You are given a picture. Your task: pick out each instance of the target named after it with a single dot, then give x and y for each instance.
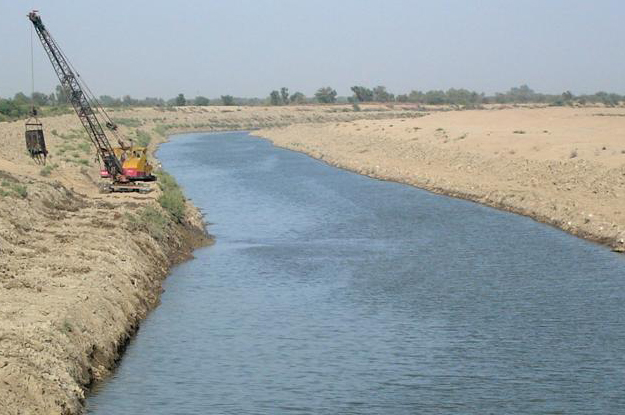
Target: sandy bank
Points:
(78, 270)
(561, 166)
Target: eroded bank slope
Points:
(77, 275)
(561, 166)
(79, 270)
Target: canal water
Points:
(332, 293)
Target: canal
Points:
(327, 292)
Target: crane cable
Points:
(89, 95)
(32, 73)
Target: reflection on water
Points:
(328, 292)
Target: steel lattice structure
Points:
(78, 99)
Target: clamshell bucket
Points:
(35, 141)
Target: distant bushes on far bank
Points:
(459, 97)
(56, 103)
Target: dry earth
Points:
(561, 166)
(79, 270)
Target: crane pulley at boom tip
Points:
(123, 164)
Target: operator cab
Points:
(135, 164)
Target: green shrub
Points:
(67, 327)
(161, 129)
(46, 171)
(84, 147)
(143, 138)
(11, 187)
(172, 199)
(149, 219)
(127, 122)
(20, 190)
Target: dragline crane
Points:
(84, 105)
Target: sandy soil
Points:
(78, 273)
(561, 166)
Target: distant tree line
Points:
(56, 102)
(460, 97)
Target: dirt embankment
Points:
(79, 270)
(561, 166)
(77, 275)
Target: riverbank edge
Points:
(116, 307)
(184, 238)
(486, 199)
(187, 235)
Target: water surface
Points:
(327, 292)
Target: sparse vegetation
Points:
(84, 147)
(172, 199)
(274, 98)
(281, 97)
(128, 122)
(149, 219)
(326, 95)
(56, 102)
(518, 132)
(298, 98)
(67, 327)
(227, 100)
(201, 101)
(46, 171)
(20, 190)
(10, 187)
(180, 100)
(143, 138)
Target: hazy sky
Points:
(249, 47)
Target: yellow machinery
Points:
(135, 164)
